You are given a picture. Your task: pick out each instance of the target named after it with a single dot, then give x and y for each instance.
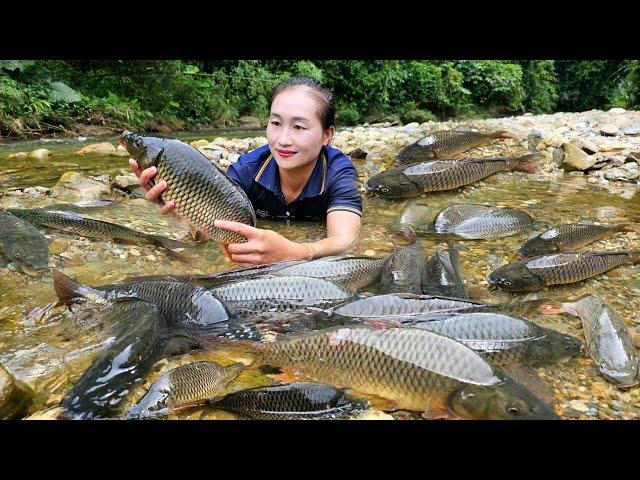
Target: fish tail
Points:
(525, 163)
(501, 134)
(635, 256)
(68, 290)
(623, 227)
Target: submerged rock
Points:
(40, 154)
(103, 148)
(74, 186)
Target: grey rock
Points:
(558, 156)
(609, 129)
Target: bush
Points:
(347, 115)
(493, 83)
(539, 80)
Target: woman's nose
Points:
(284, 138)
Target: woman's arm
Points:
(267, 246)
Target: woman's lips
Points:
(286, 153)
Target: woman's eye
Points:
(273, 122)
(299, 127)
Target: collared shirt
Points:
(332, 186)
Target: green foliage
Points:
(347, 115)
(584, 85)
(539, 81)
(50, 95)
(493, 83)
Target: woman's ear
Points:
(328, 135)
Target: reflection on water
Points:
(51, 353)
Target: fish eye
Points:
(384, 189)
(17, 254)
(137, 142)
(513, 411)
(507, 283)
(603, 365)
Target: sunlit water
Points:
(51, 354)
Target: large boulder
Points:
(629, 171)
(103, 148)
(609, 129)
(40, 154)
(576, 159)
(74, 186)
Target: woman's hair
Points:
(325, 99)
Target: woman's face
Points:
(294, 133)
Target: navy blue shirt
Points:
(333, 186)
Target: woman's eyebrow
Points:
(295, 119)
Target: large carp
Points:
(202, 192)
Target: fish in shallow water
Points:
(402, 272)
(201, 191)
(607, 339)
(567, 237)
(403, 305)
(186, 306)
(479, 222)
(349, 271)
(189, 383)
(414, 369)
(23, 243)
(15, 396)
(139, 333)
(438, 175)
(442, 275)
(294, 401)
(281, 294)
(504, 339)
(88, 227)
(538, 272)
(445, 145)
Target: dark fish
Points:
(441, 275)
(349, 271)
(15, 396)
(295, 401)
(201, 191)
(236, 274)
(185, 305)
(23, 243)
(183, 385)
(88, 227)
(438, 175)
(138, 344)
(413, 368)
(503, 339)
(403, 305)
(280, 294)
(472, 222)
(567, 237)
(445, 145)
(402, 271)
(538, 272)
(608, 341)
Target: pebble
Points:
(579, 406)
(135, 252)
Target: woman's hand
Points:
(262, 246)
(152, 192)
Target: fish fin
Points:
(551, 308)
(528, 377)
(285, 377)
(501, 134)
(623, 227)
(42, 313)
(434, 413)
(382, 324)
(525, 163)
(68, 290)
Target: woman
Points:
(296, 176)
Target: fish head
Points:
(392, 183)
(515, 277)
(552, 348)
(503, 401)
(27, 256)
(537, 246)
(145, 150)
(625, 375)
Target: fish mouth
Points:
(123, 137)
